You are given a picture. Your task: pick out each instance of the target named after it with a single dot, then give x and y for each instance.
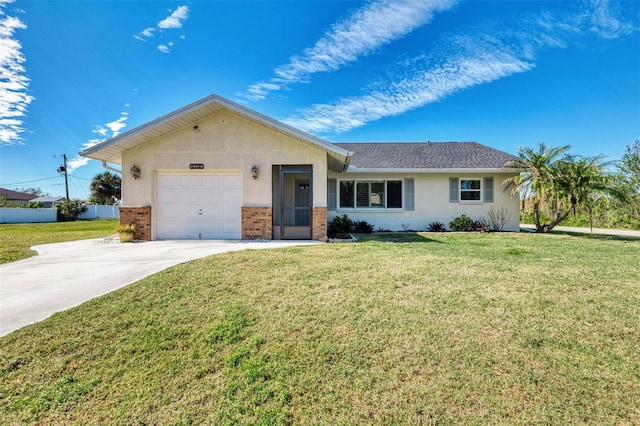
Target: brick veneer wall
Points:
(256, 223)
(141, 218)
(319, 225)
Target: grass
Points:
(411, 329)
(16, 239)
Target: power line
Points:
(79, 177)
(28, 181)
(29, 156)
(78, 189)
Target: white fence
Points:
(20, 215)
(17, 215)
(101, 212)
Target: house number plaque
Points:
(196, 166)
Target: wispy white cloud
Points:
(367, 29)
(172, 22)
(175, 19)
(461, 61)
(14, 83)
(605, 20)
(166, 48)
(103, 131)
(145, 34)
(424, 87)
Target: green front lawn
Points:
(16, 239)
(445, 329)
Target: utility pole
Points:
(62, 169)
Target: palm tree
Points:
(105, 188)
(540, 179)
(589, 182)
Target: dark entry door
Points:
(296, 202)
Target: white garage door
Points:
(199, 206)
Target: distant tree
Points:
(588, 182)
(628, 181)
(34, 191)
(630, 163)
(106, 188)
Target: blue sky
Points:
(503, 73)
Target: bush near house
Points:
(462, 223)
(480, 225)
(362, 227)
(342, 226)
(339, 226)
(436, 226)
(70, 210)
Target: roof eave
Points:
(429, 170)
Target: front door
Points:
(296, 201)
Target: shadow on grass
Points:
(396, 237)
(602, 237)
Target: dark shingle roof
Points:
(426, 155)
(16, 196)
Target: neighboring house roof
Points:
(111, 150)
(48, 199)
(425, 156)
(10, 195)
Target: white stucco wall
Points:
(223, 142)
(432, 202)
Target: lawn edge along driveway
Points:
(64, 275)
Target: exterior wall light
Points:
(254, 171)
(135, 172)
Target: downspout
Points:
(106, 166)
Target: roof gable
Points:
(111, 149)
(425, 155)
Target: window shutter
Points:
(332, 194)
(488, 190)
(453, 190)
(409, 194)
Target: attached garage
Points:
(199, 205)
(218, 170)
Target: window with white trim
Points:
(370, 194)
(470, 190)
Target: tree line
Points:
(554, 185)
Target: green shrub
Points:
(70, 210)
(362, 227)
(461, 223)
(340, 225)
(436, 226)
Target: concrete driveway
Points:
(64, 275)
